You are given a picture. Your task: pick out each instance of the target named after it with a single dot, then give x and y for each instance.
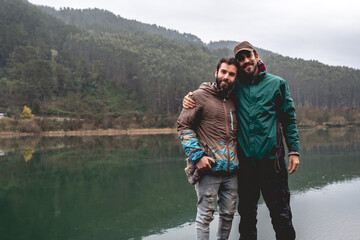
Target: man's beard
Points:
(249, 74)
(223, 84)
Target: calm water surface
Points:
(126, 187)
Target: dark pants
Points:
(264, 176)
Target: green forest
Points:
(112, 72)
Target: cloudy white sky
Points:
(323, 30)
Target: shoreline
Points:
(130, 131)
(100, 132)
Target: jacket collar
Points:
(220, 92)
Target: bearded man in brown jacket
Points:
(208, 133)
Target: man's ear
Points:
(216, 72)
(257, 58)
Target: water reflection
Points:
(328, 155)
(127, 187)
(93, 188)
(331, 214)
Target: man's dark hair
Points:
(228, 61)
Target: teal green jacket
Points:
(263, 105)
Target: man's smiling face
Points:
(248, 62)
(225, 76)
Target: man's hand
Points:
(188, 102)
(293, 163)
(204, 163)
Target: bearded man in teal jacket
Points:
(265, 113)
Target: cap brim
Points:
(244, 49)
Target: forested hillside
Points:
(91, 74)
(102, 21)
(93, 63)
(37, 70)
(297, 72)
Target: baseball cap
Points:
(243, 46)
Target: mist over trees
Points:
(91, 62)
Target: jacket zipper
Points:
(227, 135)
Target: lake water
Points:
(134, 187)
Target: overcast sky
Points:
(323, 30)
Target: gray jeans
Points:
(208, 189)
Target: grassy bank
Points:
(39, 125)
(53, 126)
(99, 132)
